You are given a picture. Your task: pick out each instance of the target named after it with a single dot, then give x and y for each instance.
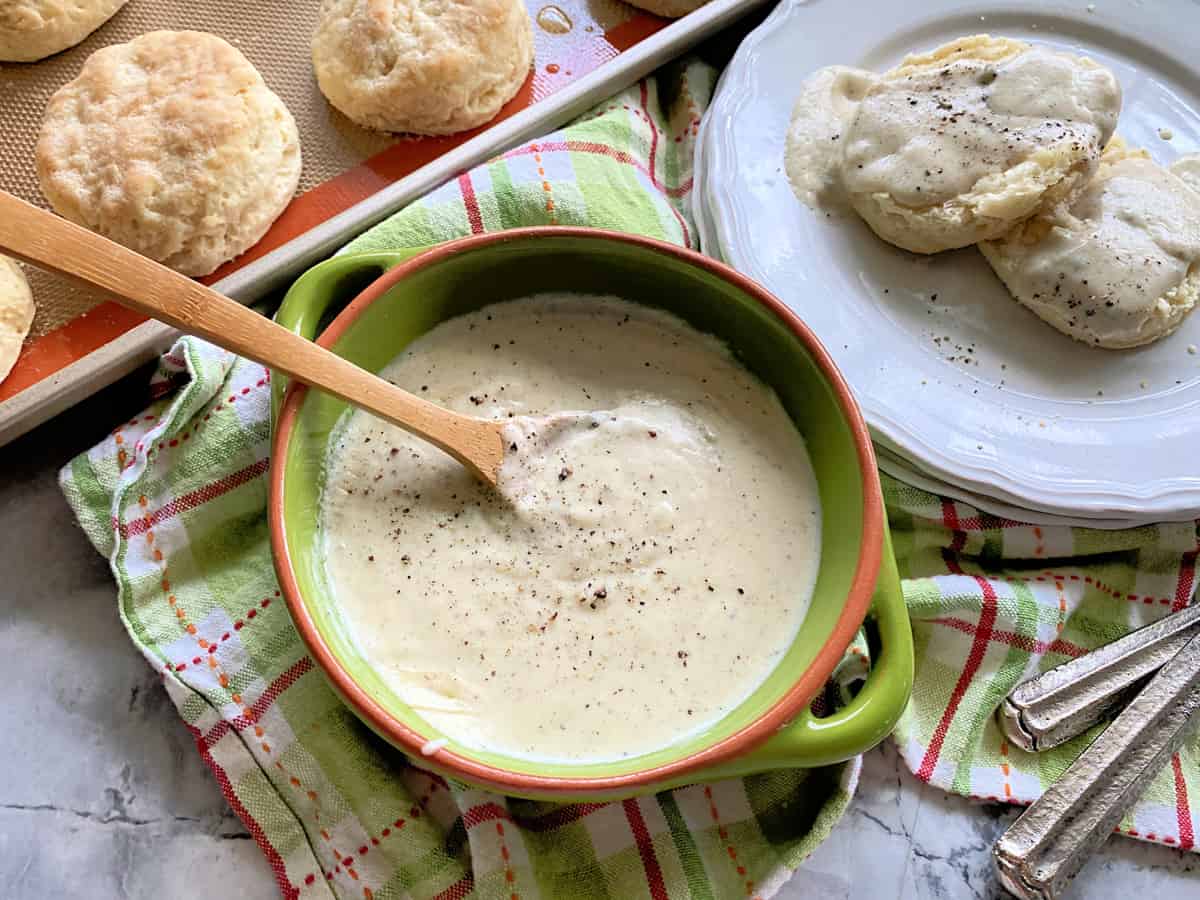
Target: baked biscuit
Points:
(16, 313)
(172, 145)
(407, 66)
(34, 29)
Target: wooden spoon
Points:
(52, 243)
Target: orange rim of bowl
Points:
(792, 704)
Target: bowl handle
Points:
(866, 720)
(329, 286)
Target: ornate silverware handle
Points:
(1065, 701)
(1044, 849)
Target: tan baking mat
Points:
(274, 35)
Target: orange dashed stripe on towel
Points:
(537, 158)
(1005, 770)
(723, 834)
(181, 616)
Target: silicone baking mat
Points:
(343, 163)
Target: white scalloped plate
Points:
(903, 470)
(1023, 420)
(889, 462)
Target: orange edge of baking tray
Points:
(43, 357)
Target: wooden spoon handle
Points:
(50, 242)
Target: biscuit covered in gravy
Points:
(827, 104)
(958, 145)
(1119, 266)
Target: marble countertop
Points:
(103, 795)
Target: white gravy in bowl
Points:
(645, 564)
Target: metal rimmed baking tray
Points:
(585, 50)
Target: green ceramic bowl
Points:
(400, 296)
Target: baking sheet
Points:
(584, 51)
(331, 145)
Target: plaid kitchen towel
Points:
(175, 499)
(994, 602)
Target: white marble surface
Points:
(103, 795)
